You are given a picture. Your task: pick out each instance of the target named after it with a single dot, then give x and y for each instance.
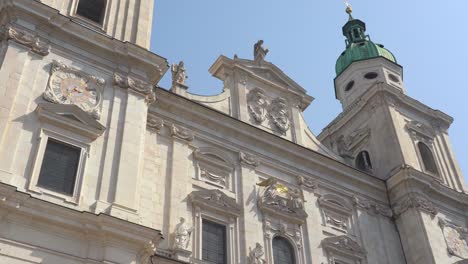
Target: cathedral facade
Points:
(98, 164)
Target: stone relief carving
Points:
(456, 238)
(212, 177)
(182, 133)
(213, 166)
(344, 244)
(371, 207)
(277, 198)
(256, 255)
(257, 105)
(182, 235)
(273, 226)
(68, 85)
(248, 159)
(336, 212)
(421, 132)
(135, 85)
(259, 51)
(279, 114)
(415, 201)
(311, 184)
(154, 122)
(31, 40)
(215, 199)
(179, 74)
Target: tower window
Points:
(283, 252)
(427, 159)
(393, 78)
(349, 86)
(371, 75)
(92, 9)
(214, 242)
(363, 161)
(59, 167)
(356, 33)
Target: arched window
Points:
(92, 9)
(283, 252)
(363, 161)
(427, 159)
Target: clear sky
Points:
(429, 39)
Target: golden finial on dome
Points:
(349, 9)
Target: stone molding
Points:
(336, 212)
(421, 132)
(215, 199)
(279, 115)
(372, 208)
(416, 201)
(57, 70)
(214, 167)
(135, 85)
(181, 133)
(26, 38)
(257, 105)
(310, 184)
(248, 159)
(154, 123)
(456, 238)
(273, 226)
(344, 245)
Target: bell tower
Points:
(125, 20)
(381, 129)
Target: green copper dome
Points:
(359, 46)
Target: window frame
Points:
(292, 247)
(434, 159)
(60, 136)
(100, 26)
(205, 219)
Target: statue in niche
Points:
(179, 75)
(256, 255)
(259, 51)
(297, 202)
(182, 235)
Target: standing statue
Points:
(182, 235)
(179, 75)
(255, 255)
(296, 199)
(259, 51)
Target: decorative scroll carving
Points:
(182, 235)
(273, 226)
(135, 85)
(336, 212)
(248, 159)
(415, 201)
(259, 51)
(279, 114)
(257, 105)
(181, 132)
(215, 199)
(155, 123)
(68, 85)
(344, 245)
(212, 177)
(456, 238)
(179, 75)
(214, 166)
(371, 207)
(278, 199)
(420, 131)
(311, 184)
(31, 40)
(256, 255)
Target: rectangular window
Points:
(59, 167)
(214, 242)
(92, 9)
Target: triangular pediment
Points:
(70, 117)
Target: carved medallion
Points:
(257, 105)
(71, 86)
(279, 114)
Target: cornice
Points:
(16, 202)
(51, 25)
(392, 98)
(25, 37)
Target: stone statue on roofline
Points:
(179, 75)
(259, 51)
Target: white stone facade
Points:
(150, 157)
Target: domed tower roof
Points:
(358, 45)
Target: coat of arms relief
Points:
(260, 107)
(456, 238)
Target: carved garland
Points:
(135, 85)
(181, 133)
(371, 207)
(31, 40)
(415, 201)
(248, 159)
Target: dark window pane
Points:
(92, 9)
(59, 166)
(363, 161)
(428, 158)
(214, 243)
(283, 252)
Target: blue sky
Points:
(304, 37)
